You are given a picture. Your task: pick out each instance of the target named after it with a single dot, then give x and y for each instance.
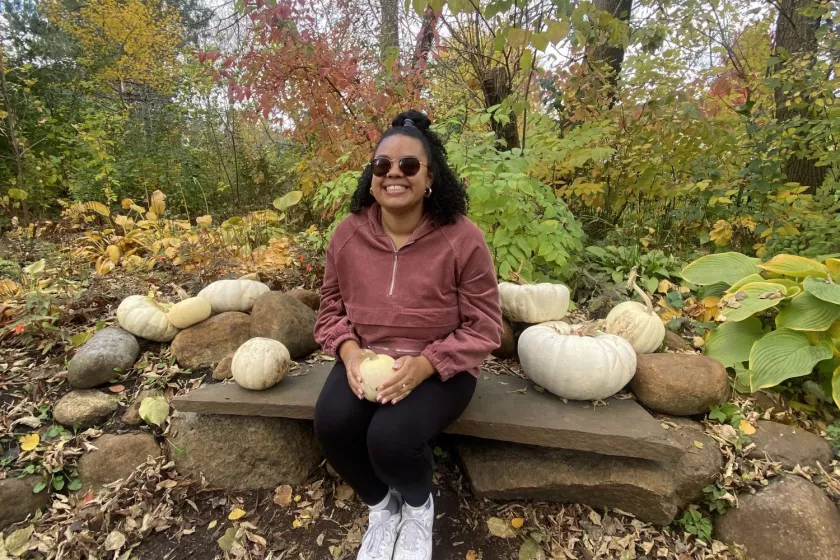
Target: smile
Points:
(396, 188)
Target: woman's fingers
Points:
(398, 384)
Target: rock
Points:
(131, 416)
(84, 408)
(243, 452)
(308, 297)
(651, 490)
(282, 317)
(790, 518)
(680, 384)
(108, 353)
(676, 342)
(18, 500)
(766, 400)
(207, 343)
(222, 370)
(790, 445)
(116, 457)
(507, 349)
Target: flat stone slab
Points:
(504, 408)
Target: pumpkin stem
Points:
(518, 279)
(631, 283)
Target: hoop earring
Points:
(371, 191)
(428, 192)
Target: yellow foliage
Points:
(721, 233)
(124, 41)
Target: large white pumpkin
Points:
(570, 363)
(534, 303)
(189, 312)
(143, 317)
(260, 363)
(233, 295)
(637, 323)
(375, 370)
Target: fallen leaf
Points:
(517, 522)
(344, 492)
(116, 388)
(296, 523)
(283, 495)
(18, 542)
(698, 444)
(530, 550)
(29, 441)
(746, 427)
(154, 410)
(498, 528)
(698, 341)
(237, 513)
(471, 555)
(227, 540)
(320, 540)
(114, 541)
(212, 524)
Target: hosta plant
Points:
(777, 319)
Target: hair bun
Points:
(420, 120)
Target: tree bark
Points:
(612, 55)
(17, 150)
(496, 86)
(424, 38)
(389, 30)
(796, 38)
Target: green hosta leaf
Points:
(808, 313)
(18, 194)
(835, 386)
(795, 266)
(730, 343)
(751, 299)
(744, 281)
(823, 290)
(783, 354)
(154, 410)
(720, 267)
(288, 200)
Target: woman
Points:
(408, 275)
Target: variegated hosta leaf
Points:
(783, 354)
(730, 343)
(751, 299)
(720, 267)
(807, 313)
(835, 386)
(833, 267)
(823, 289)
(795, 266)
(743, 281)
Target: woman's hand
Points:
(353, 356)
(409, 372)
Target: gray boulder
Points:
(116, 457)
(108, 353)
(789, 445)
(18, 499)
(85, 408)
(208, 342)
(284, 318)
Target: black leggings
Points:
(376, 447)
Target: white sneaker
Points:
(415, 533)
(381, 534)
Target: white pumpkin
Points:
(188, 312)
(375, 370)
(143, 317)
(637, 323)
(233, 295)
(574, 362)
(260, 363)
(534, 303)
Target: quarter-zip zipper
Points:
(393, 269)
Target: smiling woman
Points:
(410, 277)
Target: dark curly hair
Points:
(449, 197)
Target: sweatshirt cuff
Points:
(440, 362)
(338, 341)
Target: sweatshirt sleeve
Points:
(332, 326)
(480, 331)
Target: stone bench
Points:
(514, 441)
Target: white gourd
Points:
(187, 313)
(143, 317)
(637, 323)
(260, 363)
(233, 295)
(375, 370)
(534, 303)
(573, 363)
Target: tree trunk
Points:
(424, 38)
(389, 31)
(496, 86)
(17, 150)
(612, 55)
(796, 39)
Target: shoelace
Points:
(375, 536)
(411, 532)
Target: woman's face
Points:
(395, 191)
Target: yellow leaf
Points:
(151, 216)
(517, 522)
(113, 253)
(204, 221)
(698, 341)
(212, 524)
(237, 513)
(746, 427)
(29, 442)
(296, 523)
(698, 444)
(721, 233)
(8, 288)
(664, 287)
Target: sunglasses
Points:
(409, 165)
